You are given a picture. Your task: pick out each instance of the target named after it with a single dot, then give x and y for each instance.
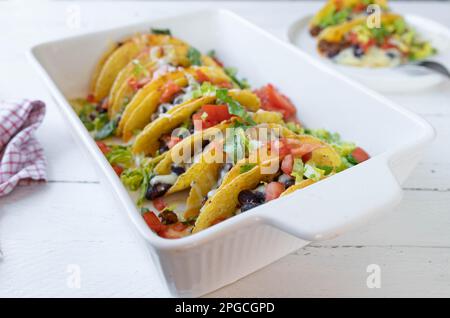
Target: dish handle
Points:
(330, 207)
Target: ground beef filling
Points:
(332, 49)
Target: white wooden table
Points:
(49, 232)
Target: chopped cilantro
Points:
(246, 167)
(194, 56)
(107, 130)
(161, 31)
(232, 72)
(234, 107)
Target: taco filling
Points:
(392, 43)
(192, 143)
(336, 12)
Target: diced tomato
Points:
(280, 147)
(211, 115)
(360, 155)
(353, 38)
(274, 190)
(143, 81)
(159, 204)
(216, 113)
(224, 84)
(366, 46)
(105, 103)
(179, 227)
(307, 157)
(103, 147)
(118, 169)
(387, 45)
(90, 98)
(287, 164)
(273, 100)
(303, 149)
(202, 77)
(169, 91)
(132, 82)
(173, 141)
(198, 121)
(153, 222)
(359, 7)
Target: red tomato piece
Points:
(366, 46)
(173, 141)
(303, 149)
(202, 77)
(153, 222)
(169, 91)
(360, 155)
(103, 147)
(287, 164)
(90, 98)
(118, 169)
(159, 204)
(216, 113)
(359, 7)
(179, 227)
(133, 84)
(143, 81)
(272, 99)
(274, 190)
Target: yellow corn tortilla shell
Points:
(201, 169)
(141, 115)
(101, 62)
(330, 7)
(138, 112)
(176, 55)
(121, 56)
(147, 140)
(223, 204)
(113, 64)
(298, 186)
(164, 165)
(336, 33)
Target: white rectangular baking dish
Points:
(203, 262)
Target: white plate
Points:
(223, 253)
(388, 80)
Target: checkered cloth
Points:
(21, 156)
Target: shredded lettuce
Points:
(161, 31)
(298, 170)
(232, 73)
(120, 155)
(246, 167)
(313, 173)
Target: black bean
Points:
(248, 206)
(157, 190)
(357, 51)
(288, 183)
(178, 170)
(163, 149)
(314, 31)
(391, 55)
(247, 196)
(168, 217)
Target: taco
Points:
(164, 95)
(297, 159)
(354, 43)
(336, 12)
(156, 135)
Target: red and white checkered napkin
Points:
(22, 158)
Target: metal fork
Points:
(431, 65)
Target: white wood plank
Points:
(341, 272)
(45, 228)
